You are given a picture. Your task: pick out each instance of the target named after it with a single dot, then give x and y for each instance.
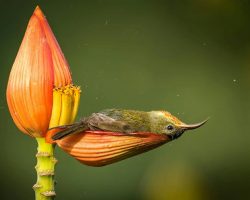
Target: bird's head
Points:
(164, 122)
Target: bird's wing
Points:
(99, 121)
(71, 129)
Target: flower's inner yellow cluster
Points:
(65, 105)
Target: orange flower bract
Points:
(39, 67)
(99, 148)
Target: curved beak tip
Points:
(194, 126)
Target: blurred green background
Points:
(189, 57)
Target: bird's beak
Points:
(192, 126)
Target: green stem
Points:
(44, 187)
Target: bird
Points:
(127, 122)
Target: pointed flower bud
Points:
(62, 74)
(99, 148)
(38, 68)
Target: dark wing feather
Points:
(70, 129)
(99, 121)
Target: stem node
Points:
(46, 173)
(49, 193)
(36, 186)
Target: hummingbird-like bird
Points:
(129, 121)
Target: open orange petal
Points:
(30, 85)
(99, 148)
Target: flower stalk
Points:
(45, 168)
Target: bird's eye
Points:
(170, 127)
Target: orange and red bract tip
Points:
(99, 148)
(38, 67)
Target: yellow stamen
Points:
(65, 105)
